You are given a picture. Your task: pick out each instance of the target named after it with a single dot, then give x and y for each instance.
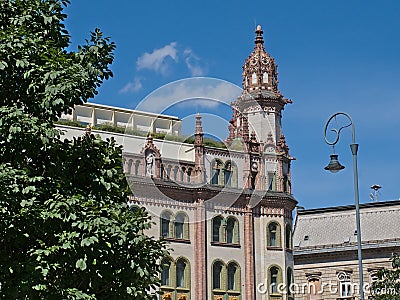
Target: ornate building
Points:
(227, 212)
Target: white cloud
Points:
(198, 91)
(156, 60)
(132, 86)
(192, 63)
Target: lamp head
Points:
(334, 165)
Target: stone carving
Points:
(167, 296)
(254, 167)
(150, 164)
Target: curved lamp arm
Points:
(337, 130)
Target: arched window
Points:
(289, 281)
(274, 235)
(217, 173)
(233, 277)
(218, 230)
(130, 162)
(183, 170)
(181, 273)
(137, 164)
(189, 173)
(226, 281)
(275, 278)
(253, 78)
(166, 272)
(265, 77)
(162, 171)
(166, 224)
(288, 237)
(181, 226)
(232, 230)
(176, 169)
(217, 271)
(228, 173)
(175, 278)
(271, 181)
(169, 172)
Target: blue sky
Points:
(331, 55)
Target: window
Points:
(271, 181)
(224, 174)
(166, 226)
(183, 170)
(265, 77)
(226, 282)
(166, 272)
(289, 281)
(253, 78)
(175, 278)
(273, 238)
(181, 226)
(233, 277)
(345, 286)
(176, 169)
(137, 164)
(288, 237)
(217, 275)
(228, 173)
(274, 279)
(217, 173)
(130, 162)
(225, 230)
(314, 288)
(180, 273)
(217, 229)
(285, 184)
(232, 230)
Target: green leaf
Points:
(81, 264)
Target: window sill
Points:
(176, 240)
(182, 290)
(274, 248)
(222, 244)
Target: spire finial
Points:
(199, 129)
(259, 37)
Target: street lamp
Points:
(334, 166)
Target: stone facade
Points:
(325, 248)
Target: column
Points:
(200, 252)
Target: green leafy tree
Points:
(387, 286)
(65, 229)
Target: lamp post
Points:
(334, 166)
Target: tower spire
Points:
(259, 40)
(199, 168)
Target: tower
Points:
(257, 120)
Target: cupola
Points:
(260, 70)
